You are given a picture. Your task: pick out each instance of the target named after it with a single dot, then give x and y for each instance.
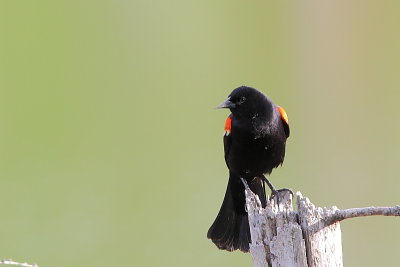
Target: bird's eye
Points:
(242, 99)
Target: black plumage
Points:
(254, 144)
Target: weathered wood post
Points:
(307, 237)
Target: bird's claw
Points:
(278, 192)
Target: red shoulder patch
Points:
(283, 115)
(228, 126)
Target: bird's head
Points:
(245, 101)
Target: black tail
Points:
(230, 230)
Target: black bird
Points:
(254, 143)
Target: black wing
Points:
(286, 128)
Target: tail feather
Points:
(230, 230)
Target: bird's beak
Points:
(226, 104)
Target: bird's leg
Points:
(264, 193)
(274, 192)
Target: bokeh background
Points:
(110, 147)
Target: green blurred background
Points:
(110, 147)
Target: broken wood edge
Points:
(323, 247)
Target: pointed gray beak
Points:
(226, 104)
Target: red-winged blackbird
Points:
(254, 144)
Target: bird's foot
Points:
(280, 194)
(280, 191)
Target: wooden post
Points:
(308, 237)
(323, 243)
